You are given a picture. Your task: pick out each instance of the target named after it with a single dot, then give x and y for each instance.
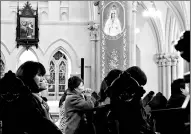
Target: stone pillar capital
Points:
(167, 57)
(163, 62)
(94, 31)
(159, 59)
(174, 58)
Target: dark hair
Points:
(63, 98)
(176, 85)
(183, 46)
(74, 82)
(159, 101)
(125, 86)
(111, 76)
(148, 98)
(14, 86)
(101, 93)
(138, 75)
(27, 71)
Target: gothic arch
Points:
(156, 32)
(69, 51)
(178, 15)
(64, 16)
(167, 27)
(13, 15)
(5, 55)
(68, 58)
(22, 51)
(6, 48)
(44, 15)
(171, 30)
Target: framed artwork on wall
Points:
(27, 28)
(27, 31)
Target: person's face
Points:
(43, 84)
(38, 79)
(186, 90)
(80, 88)
(187, 87)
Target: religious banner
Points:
(113, 36)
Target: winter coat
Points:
(75, 104)
(21, 112)
(176, 100)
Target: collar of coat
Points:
(74, 92)
(38, 97)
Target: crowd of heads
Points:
(120, 86)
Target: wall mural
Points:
(113, 36)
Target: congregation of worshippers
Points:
(120, 107)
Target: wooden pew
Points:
(172, 120)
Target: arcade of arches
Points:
(71, 30)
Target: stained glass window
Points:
(58, 76)
(51, 87)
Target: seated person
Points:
(177, 119)
(159, 101)
(178, 94)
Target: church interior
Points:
(76, 38)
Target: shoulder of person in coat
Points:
(77, 101)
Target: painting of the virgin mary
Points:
(113, 25)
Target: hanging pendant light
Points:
(152, 11)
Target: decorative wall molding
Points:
(6, 48)
(94, 31)
(47, 22)
(179, 16)
(166, 59)
(64, 12)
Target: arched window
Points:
(44, 16)
(58, 76)
(64, 16)
(27, 56)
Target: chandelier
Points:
(152, 11)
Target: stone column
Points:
(133, 34)
(129, 32)
(160, 76)
(168, 84)
(97, 9)
(159, 64)
(163, 76)
(94, 39)
(180, 67)
(174, 65)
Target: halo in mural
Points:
(113, 20)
